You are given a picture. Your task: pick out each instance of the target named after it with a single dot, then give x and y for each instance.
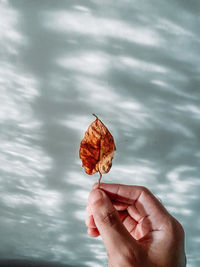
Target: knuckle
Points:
(175, 228)
(143, 188)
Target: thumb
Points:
(115, 236)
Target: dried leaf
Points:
(97, 149)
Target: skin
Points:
(136, 229)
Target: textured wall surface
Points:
(136, 65)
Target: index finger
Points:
(123, 193)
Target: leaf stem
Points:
(99, 180)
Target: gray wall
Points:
(136, 65)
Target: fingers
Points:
(119, 206)
(141, 202)
(90, 223)
(121, 193)
(108, 223)
(93, 232)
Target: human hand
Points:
(135, 227)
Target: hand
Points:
(135, 227)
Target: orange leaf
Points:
(97, 149)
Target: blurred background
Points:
(136, 65)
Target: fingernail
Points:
(96, 195)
